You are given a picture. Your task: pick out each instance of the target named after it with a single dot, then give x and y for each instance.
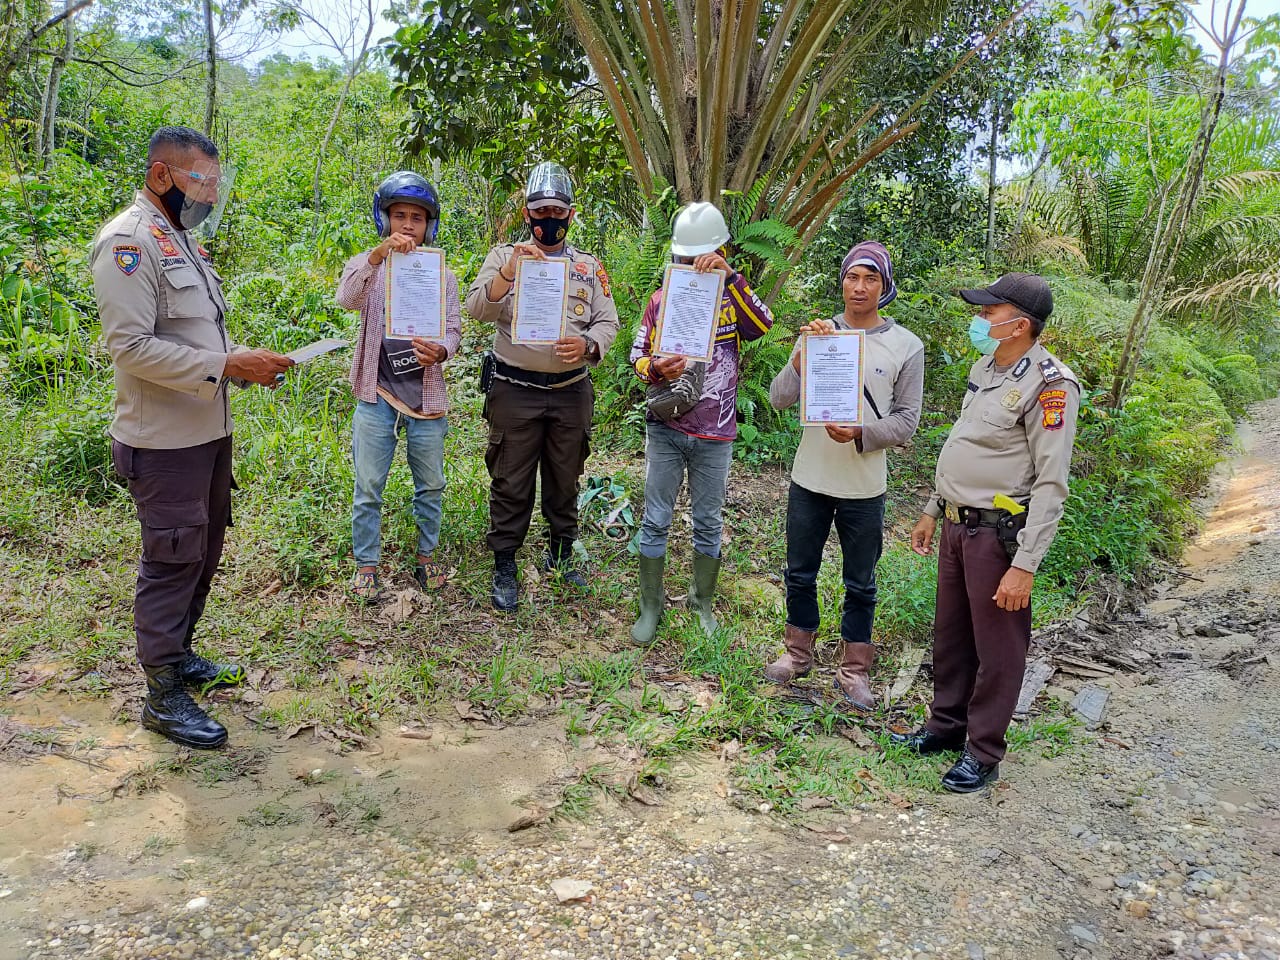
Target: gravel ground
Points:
(1157, 837)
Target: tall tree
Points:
(49, 102)
(708, 95)
(21, 29)
(1178, 205)
(211, 68)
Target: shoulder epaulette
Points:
(1049, 370)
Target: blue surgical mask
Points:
(981, 338)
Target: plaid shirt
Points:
(363, 288)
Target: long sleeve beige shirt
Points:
(162, 312)
(590, 311)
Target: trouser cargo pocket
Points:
(175, 532)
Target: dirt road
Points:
(1158, 835)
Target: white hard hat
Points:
(699, 228)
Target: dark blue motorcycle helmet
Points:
(406, 187)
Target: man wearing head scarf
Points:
(839, 475)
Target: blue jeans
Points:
(668, 455)
(860, 527)
(373, 445)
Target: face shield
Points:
(221, 194)
(198, 194)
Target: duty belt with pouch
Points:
(1006, 525)
(487, 365)
(535, 378)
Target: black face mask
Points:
(549, 231)
(188, 214)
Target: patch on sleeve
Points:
(1053, 407)
(1049, 370)
(204, 254)
(127, 257)
(604, 281)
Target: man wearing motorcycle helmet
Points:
(399, 386)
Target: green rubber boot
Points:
(645, 630)
(706, 570)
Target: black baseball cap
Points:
(1026, 291)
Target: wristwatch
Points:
(593, 349)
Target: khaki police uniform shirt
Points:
(162, 312)
(1014, 436)
(590, 311)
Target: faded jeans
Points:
(374, 429)
(668, 455)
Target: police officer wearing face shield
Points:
(1001, 484)
(540, 401)
(163, 319)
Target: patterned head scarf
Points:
(871, 254)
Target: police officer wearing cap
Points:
(163, 319)
(540, 399)
(1000, 487)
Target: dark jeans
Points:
(860, 527)
(536, 434)
(184, 505)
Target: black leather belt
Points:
(971, 516)
(533, 378)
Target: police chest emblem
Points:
(582, 292)
(127, 257)
(579, 309)
(1010, 399)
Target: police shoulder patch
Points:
(127, 257)
(604, 280)
(1053, 405)
(1049, 370)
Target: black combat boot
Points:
(925, 742)
(506, 589)
(204, 675)
(170, 712)
(969, 775)
(560, 559)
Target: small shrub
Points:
(73, 451)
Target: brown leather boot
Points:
(795, 663)
(853, 676)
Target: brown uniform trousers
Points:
(536, 432)
(979, 650)
(183, 498)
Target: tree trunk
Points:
(357, 64)
(45, 133)
(1169, 237)
(211, 71)
(1026, 196)
(17, 41)
(992, 150)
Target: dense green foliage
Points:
(1136, 471)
